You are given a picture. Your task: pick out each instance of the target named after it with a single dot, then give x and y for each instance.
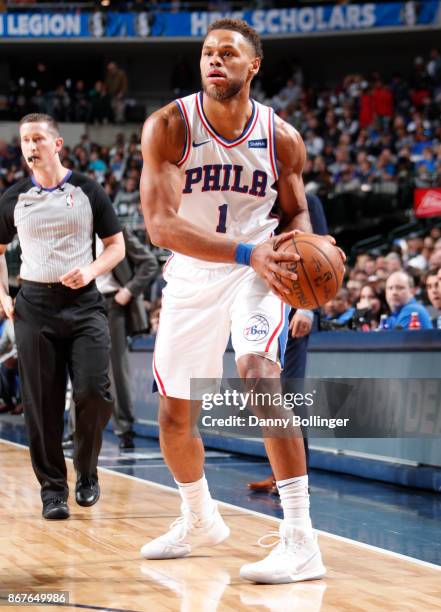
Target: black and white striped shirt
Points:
(56, 226)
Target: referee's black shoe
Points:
(56, 509)
(87, 490)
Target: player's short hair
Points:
(238, 25)
(41, 118)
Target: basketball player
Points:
(214, 163)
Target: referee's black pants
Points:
(60, 330)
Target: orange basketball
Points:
(320, 271)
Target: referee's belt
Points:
(56, 285)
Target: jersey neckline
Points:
(60, 184)
(218, 137)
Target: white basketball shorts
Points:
(200, 308)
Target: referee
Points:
(59, 317)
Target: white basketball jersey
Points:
(229, 185)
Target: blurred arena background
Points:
(361, 81)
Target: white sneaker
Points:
(187, 533)
(296, 557)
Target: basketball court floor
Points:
(381, 543)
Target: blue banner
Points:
(273, 22)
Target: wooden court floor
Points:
(95, 557)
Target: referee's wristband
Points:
(243, 253)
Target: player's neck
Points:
(50, 176)
(228, 117)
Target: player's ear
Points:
(255, 66)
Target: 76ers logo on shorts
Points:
(257, 328)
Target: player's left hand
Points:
(328, 237)
(77, 278)
(266, 260)
(332, 241)
(300, 325)
(123, 296)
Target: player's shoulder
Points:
(12, 194)
(168, 117)
(165, 132)
(285, 131)
(289, 144)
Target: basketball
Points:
(320, 271)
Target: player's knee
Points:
(172, 421)
(257, 367)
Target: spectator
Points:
(433, 289)
(372, 303)
(399, 297)
(127, 200)
(101, 108)
(393, 262)
(97, 165)
(354, 287)
(118, 165)
(60, 103)
(116, 85)
(434, 68)
(81, 104)
(415, 258)
(382, 102)
(341, 309)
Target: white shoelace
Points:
(185, 522)
(271, 534)
(280, 543)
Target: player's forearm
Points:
(181, 236)
(299, 221)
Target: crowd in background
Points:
(369, 290)
(104, 101)
(366, 130)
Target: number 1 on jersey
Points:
(222, 225)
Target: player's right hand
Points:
(8, 306)
(265, 260)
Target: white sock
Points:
(196, 497)
(294, 498)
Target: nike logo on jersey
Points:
(26, 204)
(199, 144)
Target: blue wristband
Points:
(243, 253)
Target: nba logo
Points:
(69, 200)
